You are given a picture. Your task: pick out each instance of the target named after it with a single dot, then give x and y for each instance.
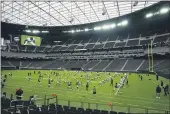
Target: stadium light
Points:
(119, 24)
(45, 31)
(113, 25)
(97, 28)
(28, 31)
(125, 22)
(35, 31)
(156, 13)
(164, 10)
(149, 15)
(106, 26)
(65, 31)
(86, 29)
(56, 41)
(78, 30)
(72, 31)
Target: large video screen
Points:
(30, 40)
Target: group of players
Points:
(159, 89)
(123, 81)
(4, 78)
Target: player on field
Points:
(39, 81)
(49, 82)
(111, 83)
(58, 82)
(141, 77)
(5, 76)
(158, 91)
(77, 84)
(87, 86)
(166, 91)
(94, 90)
(167, 88)
(127, 81)
(162, 83)
(69, 85)
(116, 86)
(10, 74)
(2, 84)
(29, 78)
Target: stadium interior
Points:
(64, 43)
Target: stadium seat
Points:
(80, 109)
(66, 108)
(87, 111)
(104, 112)
(73, 108)
(95, 110)
(113, 112)
(121, 113)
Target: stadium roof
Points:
(66, 13)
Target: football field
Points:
(136, 96)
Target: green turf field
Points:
(138, 95)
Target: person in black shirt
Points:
(19, 93)
(111, 83)
(127, 81)
(94, 90)
(49, 82)
(141, 77)
(5, 76)
(4, 80)
(157, 77)
(87, 86)
(162, 84)
(39, 81)
(2, 84)
(116, 86)
(158, 91)
(166, 90)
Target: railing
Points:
(48, 99)
(106, 106)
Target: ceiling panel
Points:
(62, 13)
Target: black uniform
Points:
(111, 82)
(94, 90)
(141, 77)
(4, 80)
(157, 77)
(166, 90)
(158, 89)
(2, 84)
(87, 86)
(39, 80)
(5, 76)
(49, 82)
(162, 84)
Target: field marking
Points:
(107, 97)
